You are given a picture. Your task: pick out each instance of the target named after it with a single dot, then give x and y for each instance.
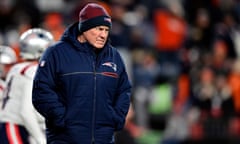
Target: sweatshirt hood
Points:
(70, 35)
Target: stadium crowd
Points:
(182, 56)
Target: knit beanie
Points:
(93, 15)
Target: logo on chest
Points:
(111, 64)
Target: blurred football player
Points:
(20, 122)
(8, 57)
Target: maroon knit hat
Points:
(93, 15)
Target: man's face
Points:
(97, 36)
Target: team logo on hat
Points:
(108, 19)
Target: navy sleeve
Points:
(45, 98)
(123, 97)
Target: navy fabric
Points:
(94, 22)
(84, 97)
(21, 132)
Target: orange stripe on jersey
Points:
(1, 88)
(18, 135)
(13, 134)
(28, 66)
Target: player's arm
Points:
(28, 113)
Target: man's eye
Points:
(102, 29)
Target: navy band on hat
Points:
(94, 22)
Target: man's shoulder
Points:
(55, 47)
(112, 48)
(60, 45)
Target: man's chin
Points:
(99, 46)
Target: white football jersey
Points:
(2, 87)
(17, 101)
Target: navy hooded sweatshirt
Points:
(84, 97)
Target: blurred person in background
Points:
(146, 71)
(131, 132)
(53, 22)
(8, 58)
(20, 123)
(233, 80)
(171, 30)
(204, 90)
